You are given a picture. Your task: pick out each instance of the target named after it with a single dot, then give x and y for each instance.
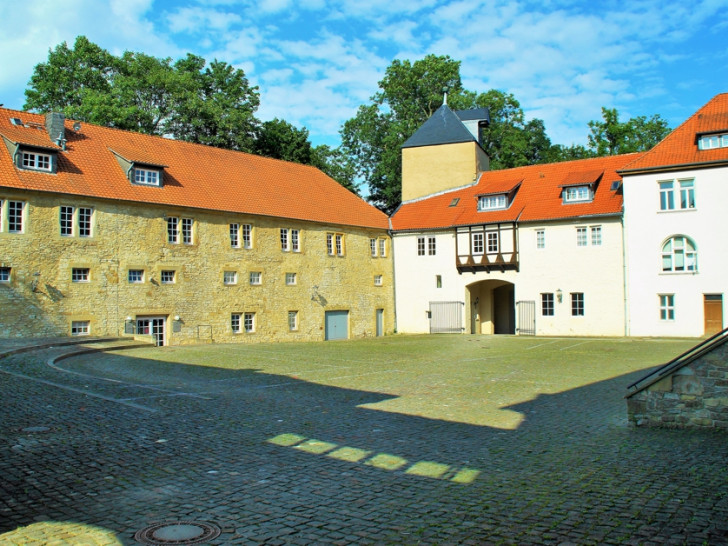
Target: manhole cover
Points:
(178, 532)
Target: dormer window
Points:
(710, 142)
(147, 177)
(577, 194)
(492, 202)
(37, 161)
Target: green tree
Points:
(610, 136)
(281, 140)
(335, 163)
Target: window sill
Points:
(669, 211)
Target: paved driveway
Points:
(94, 451)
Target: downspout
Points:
(624, 275)
(394, 275)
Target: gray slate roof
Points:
(444, 127)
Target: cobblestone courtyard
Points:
(411, 440)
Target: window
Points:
(15, 216)
(290, 279)
(492, 242)
(255, 277)
(80, 328)
(438, 281)
(235, 235)
(383, 248)
(492, 202)
(147, 177)
(230, 277)
(37, 161)
(249, 322)
(547, 304)
(335, 244)
(284, 240)
(172, 230)
(478, 243)
(577, 193)
(431, 247)
(426, 245)
(187, 231)
(667, 306)
(136, 275)
(677, 192)
(378, 280)
(235, 323)
(295, 241)
(292, 321)
(679, 255)
(540, 238)
(80, 274)
(247, 236)
(596, 235)
(373, 247)
(581, 236)
(75, 221)
(168, 276)
(709, 142)
(577, 304)
(420, 246)
(5, 274)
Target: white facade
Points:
(650, 287)
(565, 268)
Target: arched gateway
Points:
(490, 307)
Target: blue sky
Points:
(316, 61)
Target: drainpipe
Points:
(394, 276)
(627, 328)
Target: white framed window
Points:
(247, 236)
(667, 306)
(492, 202)
(492, 237)
(295, 241)
(187, 231)
(80, 328)
(540, 238)
(146, 177)
(285, 244)
(478, 243)
(383, 248)
(421, 248)
(230, 277)
(75, 221)
(256, 277)
(431, 246)
(710, 142)
(173, 230)
(135, 276)
(596, 235)
(235, 323)
(677, 194)
(292, 321)
(339, 244)
(335, 244)
(581, 236)
(547, 304)
(679, 255)
(330, 244)
(168, 276)
(235, 235)
(15, 210)
(576, 194)
(291, 279)
(378, 280)
(80, 274)
(5, 274)
(37, 161)
(249, 322)
(373, 247)
(577, 304)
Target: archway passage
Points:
(492, 307)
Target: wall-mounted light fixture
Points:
(559, 295)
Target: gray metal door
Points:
(446, 317)
(526, 318)
(337, 325)
(380, 322)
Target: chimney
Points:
(56, 130)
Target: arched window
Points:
(679, 254)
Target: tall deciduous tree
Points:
(610, 136)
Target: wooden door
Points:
(713, 312)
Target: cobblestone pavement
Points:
(86, 460)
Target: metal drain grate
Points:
(177, 532)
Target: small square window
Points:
(80, 274)
(230, 277)
(667, 307)
(255, 277)
(80, 328)
(378, 280)
(136, 275)
(5, 274)
(168, 277)
(290, 279)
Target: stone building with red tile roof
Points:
(109, 232)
